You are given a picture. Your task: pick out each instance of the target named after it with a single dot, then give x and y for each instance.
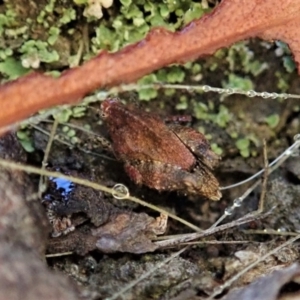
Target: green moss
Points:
(78, 111)
(175, 75)
(6, 20)
(147, 94)
(241, 58)
(282, 83)
(75, 140)
(126, 3)
(273, 120)
(53, 35)
(201, 129)
(15, 32)
(216, 148)
(80, 2)
(196, 11)
(207, 112)
(11, 68)
(183, 104)
(34, 52)
(71, 133)
(65, 129)
(289, 64)
(25, 140)
(223, 117)
(287, 59)
(41, 17)
(169, 92)
(296, 108)
(208, 136)
(164, 10)
(68, 15)
(196, 68)
(245, 153)
(50, 6)
(233, 135)
(150, 93)
(106, 38)
(5, 53)
(201, 111)
(243, 145)
(54, 74)
(136, 18)
(64, 115)
(238, 82)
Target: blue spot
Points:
(63, 185)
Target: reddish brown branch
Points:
(231, 21)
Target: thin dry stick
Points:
(102, 94)
(218, 243)
(229, 282)
(78, 55)
(45, 114)
(35, 119)
(242, 198)
(56, 138)
(96, 186)
(265, 179)
(204, 88)
(183, 238)
(270, 232)
(274, 164)
(271, 168)
(58, 254)
(46, 155)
